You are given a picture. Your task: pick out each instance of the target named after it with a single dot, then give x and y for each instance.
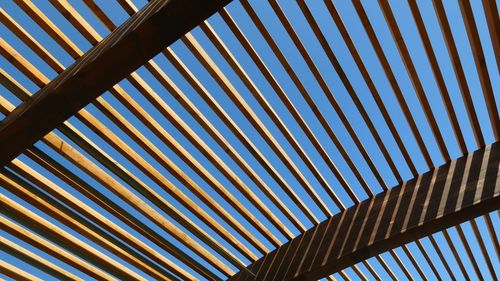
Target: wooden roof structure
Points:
(185, 141)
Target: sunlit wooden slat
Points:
(256, 122)
(21, 214)
(149, 193)
(155, 27)
(35, 260)
(49, 206)
(96, 196)
(16, 273)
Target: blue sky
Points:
(348, 14)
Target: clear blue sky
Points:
(410, 34)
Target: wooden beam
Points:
(146, 33)
(445, 196)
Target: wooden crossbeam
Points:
(146, 33)
(445, 196)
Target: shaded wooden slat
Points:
(459, 71)
(279, 90)
(354, 96)
(401, 265)
(411, 222)
(492, 18)
(442, 258)
(469, 253)
(414, 262)
(369, 82)
(412, 72)
(445, 96)
(149, 31)
(481, 66)
(482, 247)
(307, 96)
(360, 10)
(456, 255)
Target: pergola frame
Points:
(145, 34)
(443, 197)
(456, 192)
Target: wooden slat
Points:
(469, 253)
(261, 99)
(370, 83)
(482, 247)
(19, 213)
(481, 66)
(48, 205)
(101, 176)
(419, 209)
(53, 250)
(459, 71)
(225, 145)
(445, 96)
(456, 255)
(80, 23)
(492, 18)
(149, 31)
(222, 114)
(412, 72)
(278, 89)
(16, 273)
(327, 91)
(354, 96)
(141, 187)
(100, 199)
(257, 123)
(307, 97)
(163, 108)
(392, 79)
(35, 260)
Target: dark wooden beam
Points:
(445, 196)
(145, 34)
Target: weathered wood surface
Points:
(445, 196)
(145, 34)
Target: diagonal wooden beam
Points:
(146, 33)
(445, 196)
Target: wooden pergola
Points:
(63, 147)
